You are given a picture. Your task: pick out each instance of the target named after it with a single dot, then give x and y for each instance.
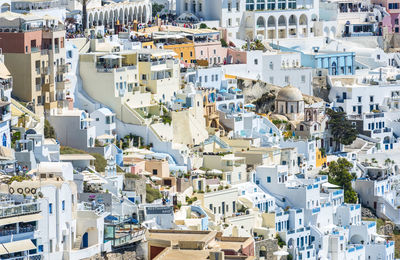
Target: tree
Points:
(223, 43)
(157, 8)
(342, 130)
(257, 45)
(203, 26)
(339, 174)
(49, 131)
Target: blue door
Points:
(85, 240)
(4, 140)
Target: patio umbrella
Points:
(198, 171)
(249, 106)
(279, 254)
(111, 57)
(105, 136)
(215, 171)
(110, 218)
(133, 221)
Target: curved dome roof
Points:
(290, 93)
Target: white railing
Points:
(21, 209)
(97, 209)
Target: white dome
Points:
(289, 93)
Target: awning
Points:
(19, 246)
(3, 251)
(328, 185)
(111, 57)
(4, 73)
(26, 218)
(30, 218)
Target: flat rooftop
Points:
(181, 235)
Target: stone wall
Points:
(271, 246)
(136, 185)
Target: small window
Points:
(63, 205)
(255, 61)
(269, 179)
(50, 208)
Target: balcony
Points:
(62, 85)
(18, 210)
(62, 68)
(374, 115)
(44, 70)
(15, 231)
(387, 130)
(28, 257)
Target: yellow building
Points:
(184, 51)
(321, 158)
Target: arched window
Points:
(271, 65)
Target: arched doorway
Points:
(263, 251)
(85, 240)
(334, 69)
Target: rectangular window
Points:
(359, 99)
(63, 205)
(50, 208)
(303, 79)
(371, 99)
(269, 179)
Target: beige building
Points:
(233, 168)
(132, 83)
(201, 245)
(35, 56)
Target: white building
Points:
(104, 121)
(61, 228)
(5, 104)
(256, 18)
(276, 68)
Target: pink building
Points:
(393, 8)
(236, 56)
(212, 51)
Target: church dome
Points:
(289, 93)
